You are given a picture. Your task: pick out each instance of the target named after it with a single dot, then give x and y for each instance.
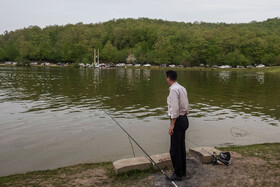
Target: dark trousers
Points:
(177, 145)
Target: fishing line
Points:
(131, 146)
(224, 158)
(141, 149)
(199, 146)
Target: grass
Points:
(130, 175)
(54, 175)
(269, 152)
(61, 176)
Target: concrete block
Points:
(123, 165)
(163, 160)
(200, 153)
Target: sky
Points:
(16, 14)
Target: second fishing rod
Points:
(174, 184)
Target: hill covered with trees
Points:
(149, 41)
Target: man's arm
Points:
(174, 103)
(172, 125)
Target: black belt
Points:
(185, 115)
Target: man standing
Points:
(178, 108)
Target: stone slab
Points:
(200, 153)
(124, 165)
(162, 159)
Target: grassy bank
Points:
(94, 173)
(102, 174)
(267, 152)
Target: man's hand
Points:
(171, 129)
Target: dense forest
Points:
(149, 41)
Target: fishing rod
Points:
(141, 149)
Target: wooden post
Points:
(98, 56)
(94, 58)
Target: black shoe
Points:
(174, 177)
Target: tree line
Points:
(147, 41)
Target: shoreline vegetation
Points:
(252, 165)
(147, 41)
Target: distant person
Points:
(178, 108)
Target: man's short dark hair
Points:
(172, 75)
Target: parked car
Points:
(120, 65)
(163, 65)
(137, 65)
(147, 65)
(215, 66)
(34, 63)
(172, 66)
(45, 64)
(102, 65)
(180, 66)
(59, 64)
(128, 65)
(225, 66)
(110, 66)
(82, 65)
(89, 66)
(239, 66)
(249, 66)
(260, 66)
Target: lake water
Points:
(52, 117)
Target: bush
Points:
(22, 62)
(131, 59)
(75, 65)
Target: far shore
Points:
(273, 69)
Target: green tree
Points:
(109, 52)
(150, 41)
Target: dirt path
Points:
(244, 171)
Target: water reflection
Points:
(147, 74)
(96, 76)
(260, 77)
(137, 73)
(129, 75)
(224, 76)
(141, 93)
(120, 73)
